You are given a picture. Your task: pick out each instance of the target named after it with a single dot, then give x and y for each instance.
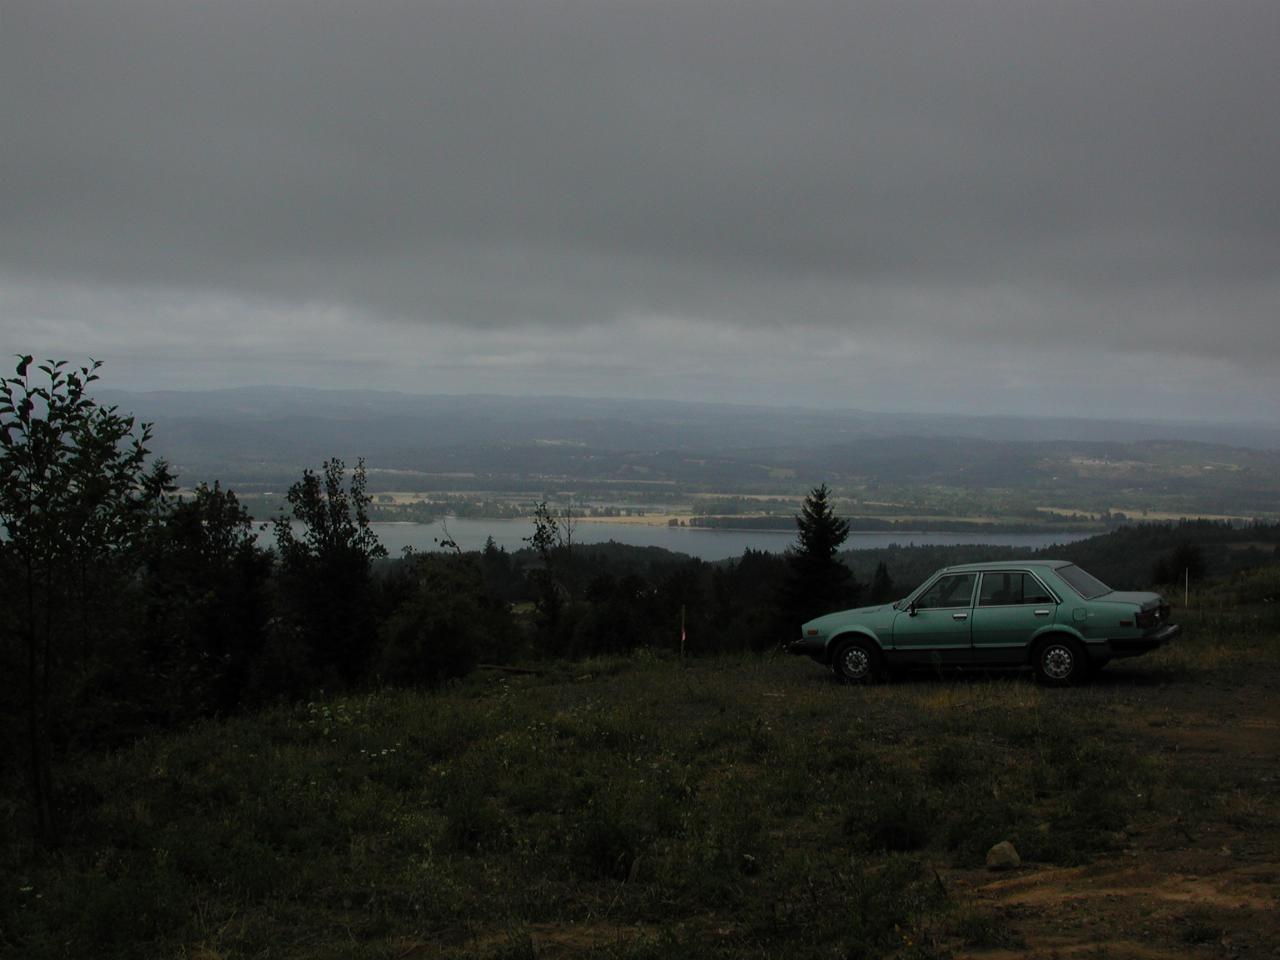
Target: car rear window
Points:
(1085, 584)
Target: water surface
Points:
(699, 542)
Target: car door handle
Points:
(959, 616)
(1042, 613)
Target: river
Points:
(697, 542)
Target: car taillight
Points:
(1147, 618)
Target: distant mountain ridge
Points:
(636, 451)
(447, 419)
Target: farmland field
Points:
(648, 807)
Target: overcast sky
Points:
(1020, 207)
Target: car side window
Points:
(1034, 592)
(955, 590)
(1002, 589)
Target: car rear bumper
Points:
(1139, 645)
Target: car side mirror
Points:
(911, 609)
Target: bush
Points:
(449, 622)
(473, 823)
(606, 842)
(325, 584)
(893, 816)
(870, 911)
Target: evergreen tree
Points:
(501, 577)
(1186, 560)
(819, 581)
(882, 587)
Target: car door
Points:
(935, 627)
(1012, 605)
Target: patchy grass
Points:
(637, 807)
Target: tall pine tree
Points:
(819, 581)
(882, 587)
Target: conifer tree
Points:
(882, 587)
(819, 582)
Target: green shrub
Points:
(859, 910)
(947, 765)
(719, 842)
(606, 843)
(473, 822)
(975, 818)
(447, 625)
(621, 822)
(893, 815)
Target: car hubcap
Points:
(854, 662)
(1057, 663)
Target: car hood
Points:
(841, 617)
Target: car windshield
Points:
(1087, 585)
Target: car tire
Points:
(857, 661)
(1060, 662)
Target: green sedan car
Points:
(1046, 614)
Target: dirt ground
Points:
(1199, 882)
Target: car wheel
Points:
(1060, 662)
(857, 661)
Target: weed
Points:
(893, 815)
(718, 843)
(472, 821)
(704, 808)
(946, 765)
(868, 910)
(975, 928)
(518, 945)
(1198, 926)
(605, 843)
(976, 816)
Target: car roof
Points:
(1005, 565)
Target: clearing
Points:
(643, 807)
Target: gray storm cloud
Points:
(737, 198)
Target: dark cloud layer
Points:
(909, 180)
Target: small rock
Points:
(1003, 856)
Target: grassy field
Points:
(646, 807)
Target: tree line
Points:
(128, 606)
